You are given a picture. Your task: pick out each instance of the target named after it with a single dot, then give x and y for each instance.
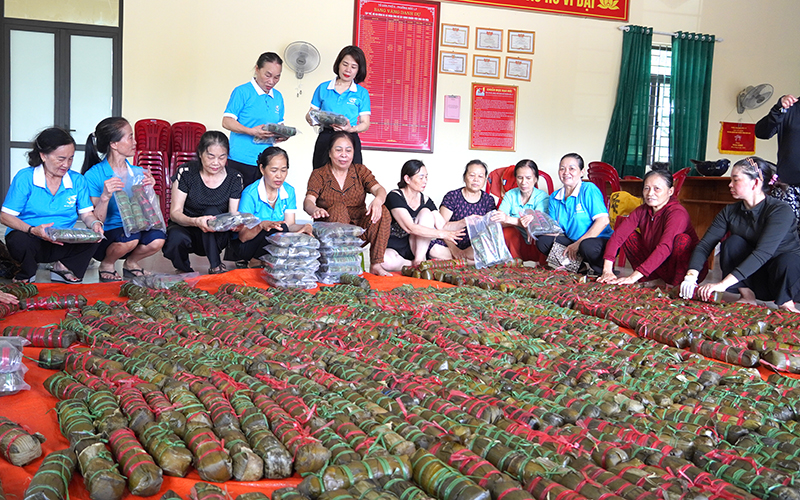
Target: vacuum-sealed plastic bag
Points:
(327, 119)
(281, 130)
(297, 252)
(230, 220)
(541, 224)
(333, 233)
(487, 241)
(138, 206)
(307, 264)
(72, 235)
(283, 239)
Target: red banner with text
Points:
(737, 138)
(616, 10)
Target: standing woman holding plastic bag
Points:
(251, 107)
(113, 138)
(44, 197)
(344, 96)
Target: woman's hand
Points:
(307, 229)
(607, 277)
(344, 128)
(7, 298)
(38, 231)
(572, 250)
(259, 132)
(111, 186)
(269, 225)
(634, 277)
(97, 227)
(706, 291)
(148, 179)
(688, 286)
(319, 213)
(788, 101)
(497, 216)
(525, 220)
(375, 210)
(202, 223)
(452, 236)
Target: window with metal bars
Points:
(658, 123)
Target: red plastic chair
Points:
(153, 135)
(500, 181)
(185, 136)
(178, 159)
(548, 180)
(678, 178)
(603, 175)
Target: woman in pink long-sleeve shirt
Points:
(660, 250)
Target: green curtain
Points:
(690, 93)
(626, 141)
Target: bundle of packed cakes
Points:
(340, 250)
(291, 260)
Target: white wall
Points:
(182, 64)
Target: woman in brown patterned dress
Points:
(337, 193)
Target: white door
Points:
(63, 76)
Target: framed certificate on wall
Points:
(454, 63)
(486, 66)
(454, 35)
(518, 68)
(488, 39)
(521, 41)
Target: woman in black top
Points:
(761, 255)
(200, 190)
(415, 221)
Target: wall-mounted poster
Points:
(518, 68)
(494, 117)
(488, 39)
(616, 10)
(400, 39)
(454, 35)
(521, 41)
(486, 66)
(454, 63)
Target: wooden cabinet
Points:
(703, 198)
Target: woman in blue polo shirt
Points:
(343, 95)
(113, 137)
(270, 199)
(579, 209)
(48, 194)
(251, 106)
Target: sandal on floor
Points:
(133, 273)
(218, 270)
(64, 276)
(108, 276)
(242, 264)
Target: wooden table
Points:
(703, 198)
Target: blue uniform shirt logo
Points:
(71, 201)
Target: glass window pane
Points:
(91, 83)
(32, 83)
(99, 12)
(19, 160)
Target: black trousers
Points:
(323, 146)
(250, 173)
(252, 249)
(182, 240)
(778, 280)
(590, 249)
(30, 250)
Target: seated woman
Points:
(113, 137)
(202, 189)
(48, 194)
(523, 197)
(415, 221)
(272, 200)
(665, 239)
(579, 209)
(459, 204)
(337, 192)
(761, 255)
